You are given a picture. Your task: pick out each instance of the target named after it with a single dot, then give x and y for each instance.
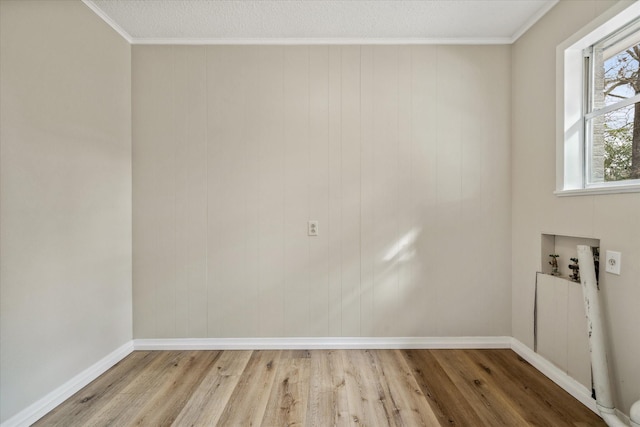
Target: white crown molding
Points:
(530, 23)
(41, 407)
(322, 41)
(321, 343)
(108, 20)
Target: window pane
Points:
(612, 142)
(621, 74)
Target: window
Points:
(612, 110)
(599, 132)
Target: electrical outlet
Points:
(612, 262)
(312, 228)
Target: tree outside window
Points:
(613, 124)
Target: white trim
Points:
(321, 343)
(558, 376)
(623, 416)
(322, 41)
(621, 104)
(318, 41)
(555, 374)
(41, 407)
(591, 191)
(91, 5)
(570, 155)
(618, 15)
(535, 18)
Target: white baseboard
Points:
(555, 374)
(321, 343)
(558, 376)
(38, 409)
(41, 407)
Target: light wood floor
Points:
(322, 388)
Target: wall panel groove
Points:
(393, 149)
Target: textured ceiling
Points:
(339, 21)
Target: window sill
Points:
(614, 189)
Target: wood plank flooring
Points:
(322, 388)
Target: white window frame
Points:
(570, 100)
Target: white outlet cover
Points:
(612, 262)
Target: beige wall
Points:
(401, 153)
(65, 293)
(614, 219)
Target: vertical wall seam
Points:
(156, 291)
(206, 139)
(284, 260)
(360, 188)
(248, 53)
(175, 189)
(398, 182)
(436, 144)
(412, 180)
(373, 178)
(341, 197)
(259, 144)
(309, 261)
(187, 189)
(246, 162)
(328, 191)
(462, 157)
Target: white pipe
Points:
(597, 342)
